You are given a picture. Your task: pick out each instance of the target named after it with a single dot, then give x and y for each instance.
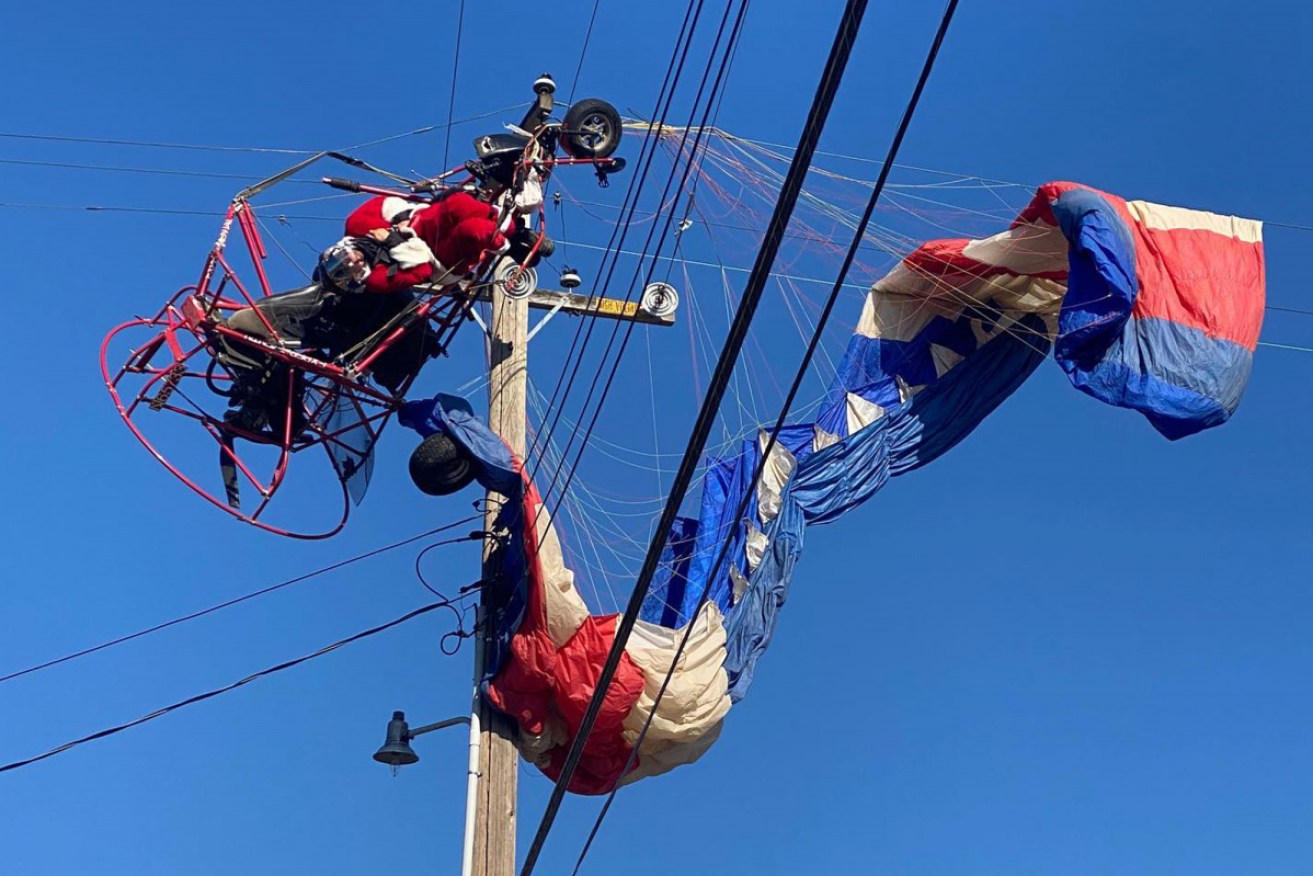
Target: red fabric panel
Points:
(1224, 302)
(540, 682)
(578, 666)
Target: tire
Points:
(591, 129)
(439, 467)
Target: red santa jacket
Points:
(456, 231)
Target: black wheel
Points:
(591, 129)
(439, 466)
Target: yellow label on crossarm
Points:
(616, 307)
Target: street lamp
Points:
(396, 750)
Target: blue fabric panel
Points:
(795, 439)
(1182, 380)
(664, 598)
(1101, 282)
(868, 369)
(454, 416)
(950, 407)
(726, 483)
(827, 484)
(944, 413)
(809, 496)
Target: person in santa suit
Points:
(456, 229)
(361, 282)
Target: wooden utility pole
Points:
(493, 848)
(494, 824)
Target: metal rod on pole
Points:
(472, 766)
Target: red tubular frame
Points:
(199, 313)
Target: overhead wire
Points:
(201, 147)
(1291, 347)
(455, 69)
(620, 230)
(67, 165)
(803, 368)
(628, 326)
(810, 136)
(545, 435)
(161, 712)
(572, 469)
(583, 52)
(332, 567)
(460, 633)
(1289, 225)
(105, 141)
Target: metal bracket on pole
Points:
(450, 722)
(556, 308)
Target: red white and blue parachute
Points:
(1147, 307)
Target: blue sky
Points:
(1067, 646)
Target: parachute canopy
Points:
(1147, 307)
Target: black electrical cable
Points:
(803, 367)
(231, 602)
(153, 145)
(199, 147)
(572, 469)
(159, 713)
(620, 230)
(478, 535)
(811, 132)
(661, 242)
(451, 101)
(592, 19)
(647, 247)
(65, 165)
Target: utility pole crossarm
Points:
(589, 305)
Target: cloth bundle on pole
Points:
(1147, 307)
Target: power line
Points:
(660, 245)
(153, 170)
(159, 713)
(158, 211)
(1288, 309)
(1289, 225)
(201, 147)
(450, 124)
(790, 190)
(588, 35)
(1277, 346)
(455, 68)
(620, 230)
(614, 249)
(240, 599)
(151, 144)
(721, 74)
(803, 367)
